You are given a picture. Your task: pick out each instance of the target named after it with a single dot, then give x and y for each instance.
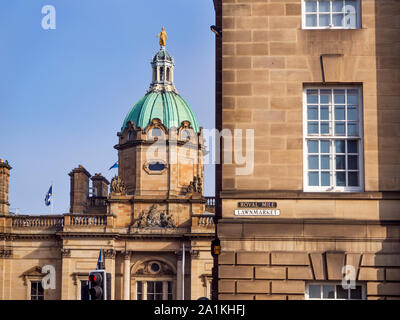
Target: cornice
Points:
(106, 235)
(80, 169)
(330, 222)
(297, 194)
(6, 253)
(311, 239)
(134, 143)
(138, 199)
(200, 235)
(151, 236)
(24, 236)
(7, 236)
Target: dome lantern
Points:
(163, 68)
(162, 100)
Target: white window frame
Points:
(332, 170)
(303, 18)
(145, 281)
(326, 283)
(36, 282)
(81, 286)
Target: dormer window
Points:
(186, 135)
(130, 135)
(156, 132)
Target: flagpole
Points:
(52, 198)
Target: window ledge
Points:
(297, 194)
(332, 190)
(330, 29)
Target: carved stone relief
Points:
(154, 219)
(117, 185)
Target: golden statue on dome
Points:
(163, 37)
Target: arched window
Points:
(154, 74)
(155, 280)
(131, 135)
(168, 74)
(162, 73)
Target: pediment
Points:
(34, 271)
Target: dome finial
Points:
(163, 37)
(163, 68)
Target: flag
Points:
(49, 196)
(100, 263)
(115, 165)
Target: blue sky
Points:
(64, 93)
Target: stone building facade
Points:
(152, 221)
(319, 82)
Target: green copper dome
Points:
(169, 107)
(162, 100)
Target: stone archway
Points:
(153, 278)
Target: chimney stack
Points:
(79, 190)
(4, 186)
(100, 184)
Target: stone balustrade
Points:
(202, 222)
(210, 204)
(90, 220)
(38, 221)
(58, 222)
(210, 201)
(86, 220)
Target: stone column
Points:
(179, 276)
(127, 275)
(67, 292)
(144, 292)
(165, 290)
(77, 283)
(109, 257)
(196, 272)
(6, 272)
